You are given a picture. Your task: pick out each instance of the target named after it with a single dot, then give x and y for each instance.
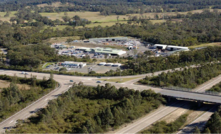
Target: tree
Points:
(66, 19)
(69, 40)
(117, 18)
(197, 131)
(84, 130)
(207, 131)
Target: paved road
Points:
(200, 122)
(91, 81)
(146, 121)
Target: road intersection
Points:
(64, 81)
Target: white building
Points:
(73, 64)
(108, 64)
(170, 47)
(108, 39)
(160, 46)
(102, 63)
(116, 65)
(174, 48)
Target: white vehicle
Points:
(22, 72)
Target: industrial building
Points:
(103, 50)
(116, 65)
(170, 47)
(108, 39)
(73, 64)
(102, 63)
(108, 51)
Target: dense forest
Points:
(13, 99)
(84, 109)
(163, 127)
(187, 78)
(108, 7)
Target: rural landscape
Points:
(110, 66)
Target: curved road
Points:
(91, 81)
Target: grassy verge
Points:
(47, 64)
(120, 80)
(163, 127)
(206, 45)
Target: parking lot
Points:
(80, 54)
(85, 69)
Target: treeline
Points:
(84, 109)
(108, 7)
(163, 127)
(187, 78)
(145, 64)
(13, 99)
(32, 56)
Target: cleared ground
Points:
(206, 45)
(54, 4)
(2, 18)
(96, 17)
(60, 39)
(5, 84)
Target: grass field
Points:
(46, 64)
(12, 14)
(5, 84)
(54, 4)
(96, 17)
(60, 39)
(104, 24)
(206, 45)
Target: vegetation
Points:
(216, 88)
(24, 36)
(13, 99)
(84, 109)
(188, 78)
(163, 127)
(120, 80)
(214, 123)
(142, 64)
(108, 7)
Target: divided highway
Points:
(163, 111)
(91, 81)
